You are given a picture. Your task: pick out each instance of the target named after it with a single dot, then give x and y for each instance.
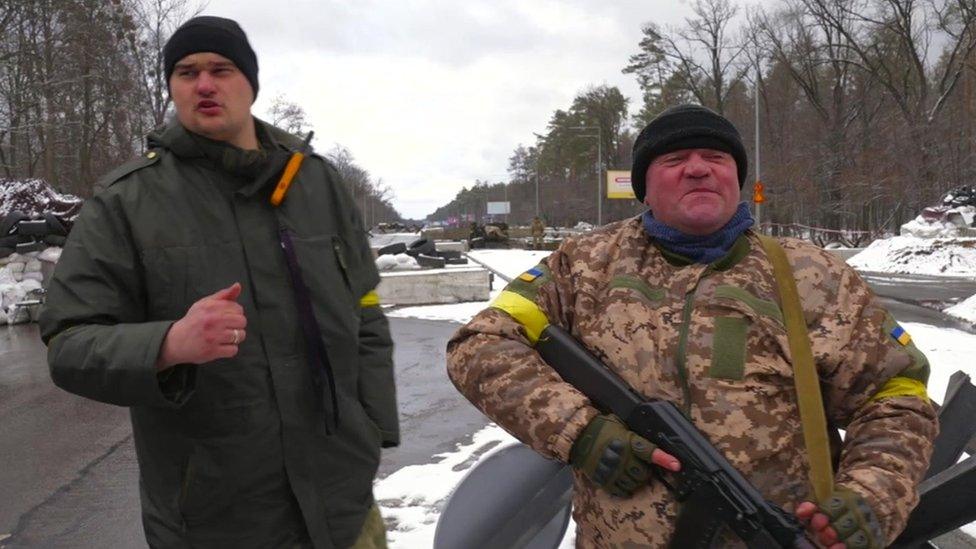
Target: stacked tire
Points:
(419, 253)
(22, 234)
(427, 255)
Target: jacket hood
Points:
(177, 139)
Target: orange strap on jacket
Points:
(294, 163)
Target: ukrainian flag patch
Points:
(900, 335)
(530, 275)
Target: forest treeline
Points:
(866, 107)
(82, 83)
(866, 112)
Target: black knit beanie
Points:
(685, 127)
(212, 34)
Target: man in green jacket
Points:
(246, 338)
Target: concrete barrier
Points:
(845, 253)
(454, 285)
(451, 245)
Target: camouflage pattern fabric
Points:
(711, 339)
(373, 534)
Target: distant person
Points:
(682, 304)
(246, 338)
(538, 230)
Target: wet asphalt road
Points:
(69, 477)
(921, 288)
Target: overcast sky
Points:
(430, 95)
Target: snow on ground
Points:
(454, 312)
(948, 351)
(913, 255)
(412, 497)
(511, 263)
(965, 310)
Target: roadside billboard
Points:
(618, 185)
(498, 208)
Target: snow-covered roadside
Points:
(965, 310)
(913, 255)
(412, 497)
(511, 263)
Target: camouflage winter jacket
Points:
(710, 338)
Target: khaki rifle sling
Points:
(812, 415)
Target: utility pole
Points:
(758, 188)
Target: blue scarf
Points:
(700, 249)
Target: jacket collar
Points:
(740, 248)
(184, 144)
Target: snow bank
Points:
(454, 312)
(965, 310)
(35, 197)
(914, 255)
(511, 263)
(941, 222)
(411, 499)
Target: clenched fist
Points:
(212, 328)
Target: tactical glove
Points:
(612, 456)
(852, 518)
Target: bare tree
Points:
(817, 58)
(152, 23)
(893, 40)
(288, 116)
(705, 55)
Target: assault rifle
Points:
(712, 491)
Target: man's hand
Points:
(212, 328)
(843, 521)
(615, 458)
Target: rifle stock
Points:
(711, 488)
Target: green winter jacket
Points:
(232, 453)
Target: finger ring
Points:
(237, 338)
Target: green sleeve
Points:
(94, 321)
(377, 387)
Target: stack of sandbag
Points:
(396, 262)
(24, 267)
(22, 278)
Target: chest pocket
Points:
(623, 286)
(178, 276)
(333, 283)
(749, 338)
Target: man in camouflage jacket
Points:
(682, 304)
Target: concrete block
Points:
(845, 253)
(451, 245)
(453, 285)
